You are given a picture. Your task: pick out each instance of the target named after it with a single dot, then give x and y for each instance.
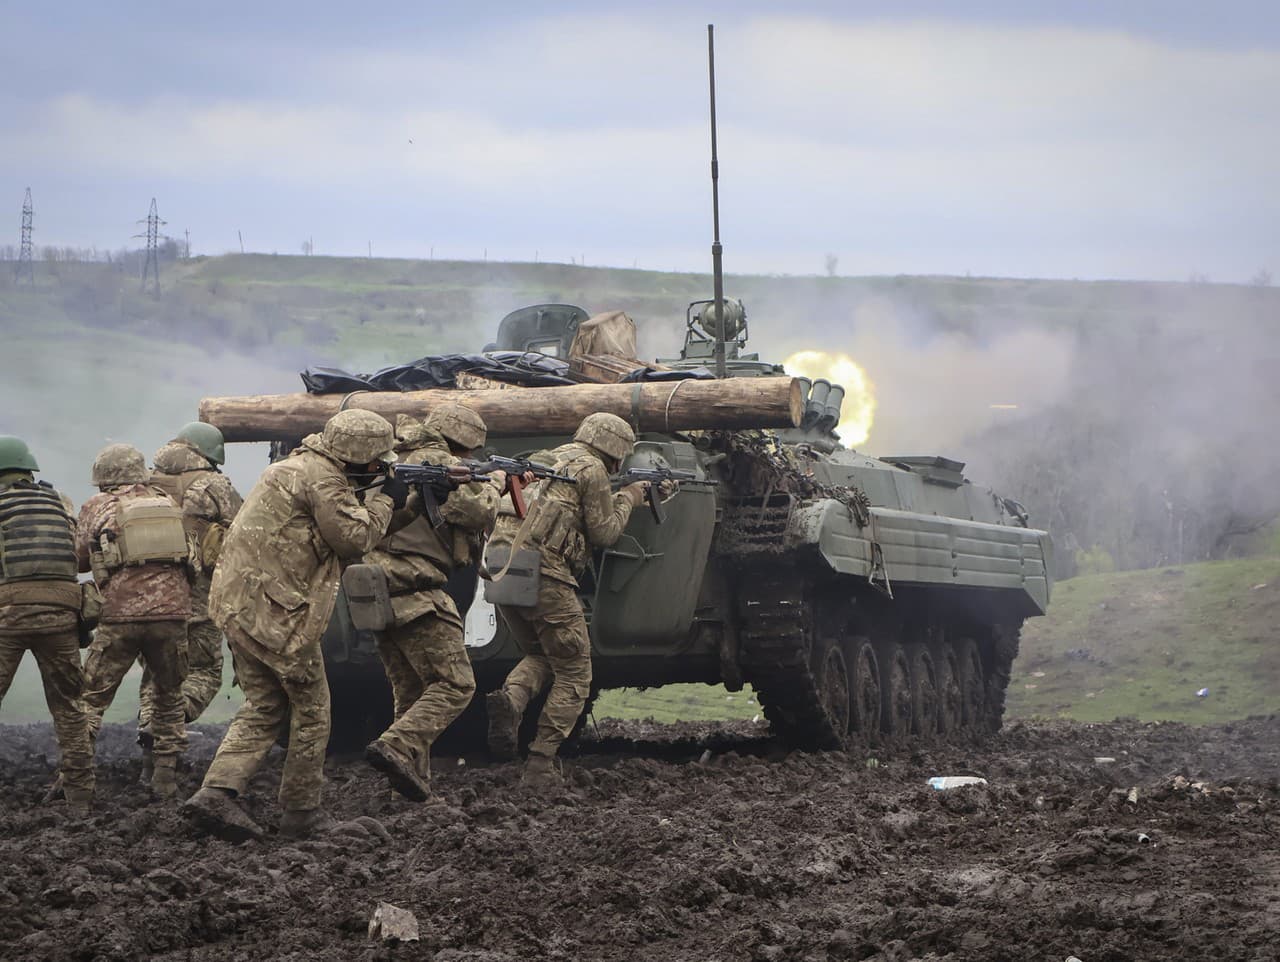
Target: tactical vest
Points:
(148, 529)
(36, 540)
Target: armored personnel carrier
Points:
(862, 598)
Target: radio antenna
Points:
(717, 270)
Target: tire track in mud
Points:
(649, 853)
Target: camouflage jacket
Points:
(36, 618)
(209, 505)
(156, 591)
(277, 578)
(417, 557)
(566, 521)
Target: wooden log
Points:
(732, 404)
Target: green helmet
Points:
(15, 455)
(359, 437)
(458, 424)
(206, 439)
(119, 464)
(607, 433)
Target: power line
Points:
(26, 263)
(151, 266)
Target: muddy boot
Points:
(305, 823)
(54, 793)
(148, 757)
(541, 774)
(399, 769)
(214, 810)
(164, 780)
(504, 725)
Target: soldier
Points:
(424, 653)
(187, 469)
(565, 523)
(40, 608)
(131, 537)
(272, 594)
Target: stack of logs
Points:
(688, 405)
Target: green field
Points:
(1142, 643)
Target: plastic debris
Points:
(393, 924)
(1072, 958)
(461, 762)
(943, 782)
(1203, 693)
(1132, 797)
(705, 757)
(1103, 760)
(1144, 838)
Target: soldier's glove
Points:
(635, 492)
(397, 491)
(667, 489)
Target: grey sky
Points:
(1070, 140)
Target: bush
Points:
(1096, 561)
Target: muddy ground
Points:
(658, 851)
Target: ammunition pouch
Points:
(148, 530)
(90, 611)
(368, 599)
(553, 527)
(517, 578)
(211, 546)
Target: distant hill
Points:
(383, 310)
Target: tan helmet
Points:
(119, 464)
(459, 425)
(359, 437)
(607, 433)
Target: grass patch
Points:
(1142, 643)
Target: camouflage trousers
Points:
(275, 702)
(431, 681)
(553, 636)
(163, 647)
(58, 656)
(204, 675)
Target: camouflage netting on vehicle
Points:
(758, 462)
(527, 369)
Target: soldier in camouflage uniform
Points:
(565, 523)
(140, 563)
(40, 608)
(424, 653)
(187, 469)
(273, 594)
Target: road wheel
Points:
(973, 687)
(924, 690)
(831, 675)
(864, 689)
(947, 676)
(895, 689)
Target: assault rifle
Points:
(656, 476)
(516, 469)
(434, 482)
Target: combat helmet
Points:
(358, 437)
(118, 464)
(607, 433)
(206, 439)
(459, 425)
(15, 455)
